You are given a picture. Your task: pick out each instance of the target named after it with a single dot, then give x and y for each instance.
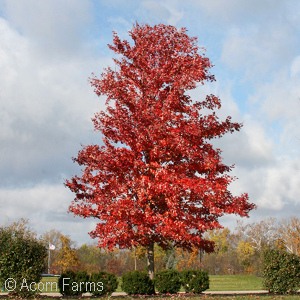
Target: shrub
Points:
(281, 271)
(168, 281)
(71, 283)
(137, 282)
(195, 281)
(105, 283)
(82, 278)
(22, 258)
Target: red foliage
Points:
(157, 178)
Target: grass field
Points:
(235, 283)
(49, 285)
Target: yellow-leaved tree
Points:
(67, 258)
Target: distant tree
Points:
(67, 258)
(158, 178)
(260, 235)
(138, 254)
(289, 235)
(221, 238)
(246, 255)
(188, 260)
(224, 258)
(95, 260)
(90, 258)
(252, 240)
(118, 261)
(22, 257)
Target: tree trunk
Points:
(135, 265)
(150, 260)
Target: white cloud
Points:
(46, 105)
(279, 104)
(295, 67)
(240, 12)
(48, 52)
(258, 51)
(251, 146)
(45, 206)
(273, 188)
(45, 108)
(52, 25)
(157, 12)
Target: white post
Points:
(49, 251)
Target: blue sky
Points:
(49, 49)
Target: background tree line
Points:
(237, 251)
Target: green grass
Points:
(235, 283)
(49, 285)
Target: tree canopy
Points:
(157, 178)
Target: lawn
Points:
(235, 283)
(49, 285)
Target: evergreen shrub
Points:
(195, 281)
(73, 283)
(82, 278)
(281, 271)
(137, 283)
(105, 283)
(168, 281)
(22, 257)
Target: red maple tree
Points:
(157, 178)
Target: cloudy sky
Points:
(49, 49)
